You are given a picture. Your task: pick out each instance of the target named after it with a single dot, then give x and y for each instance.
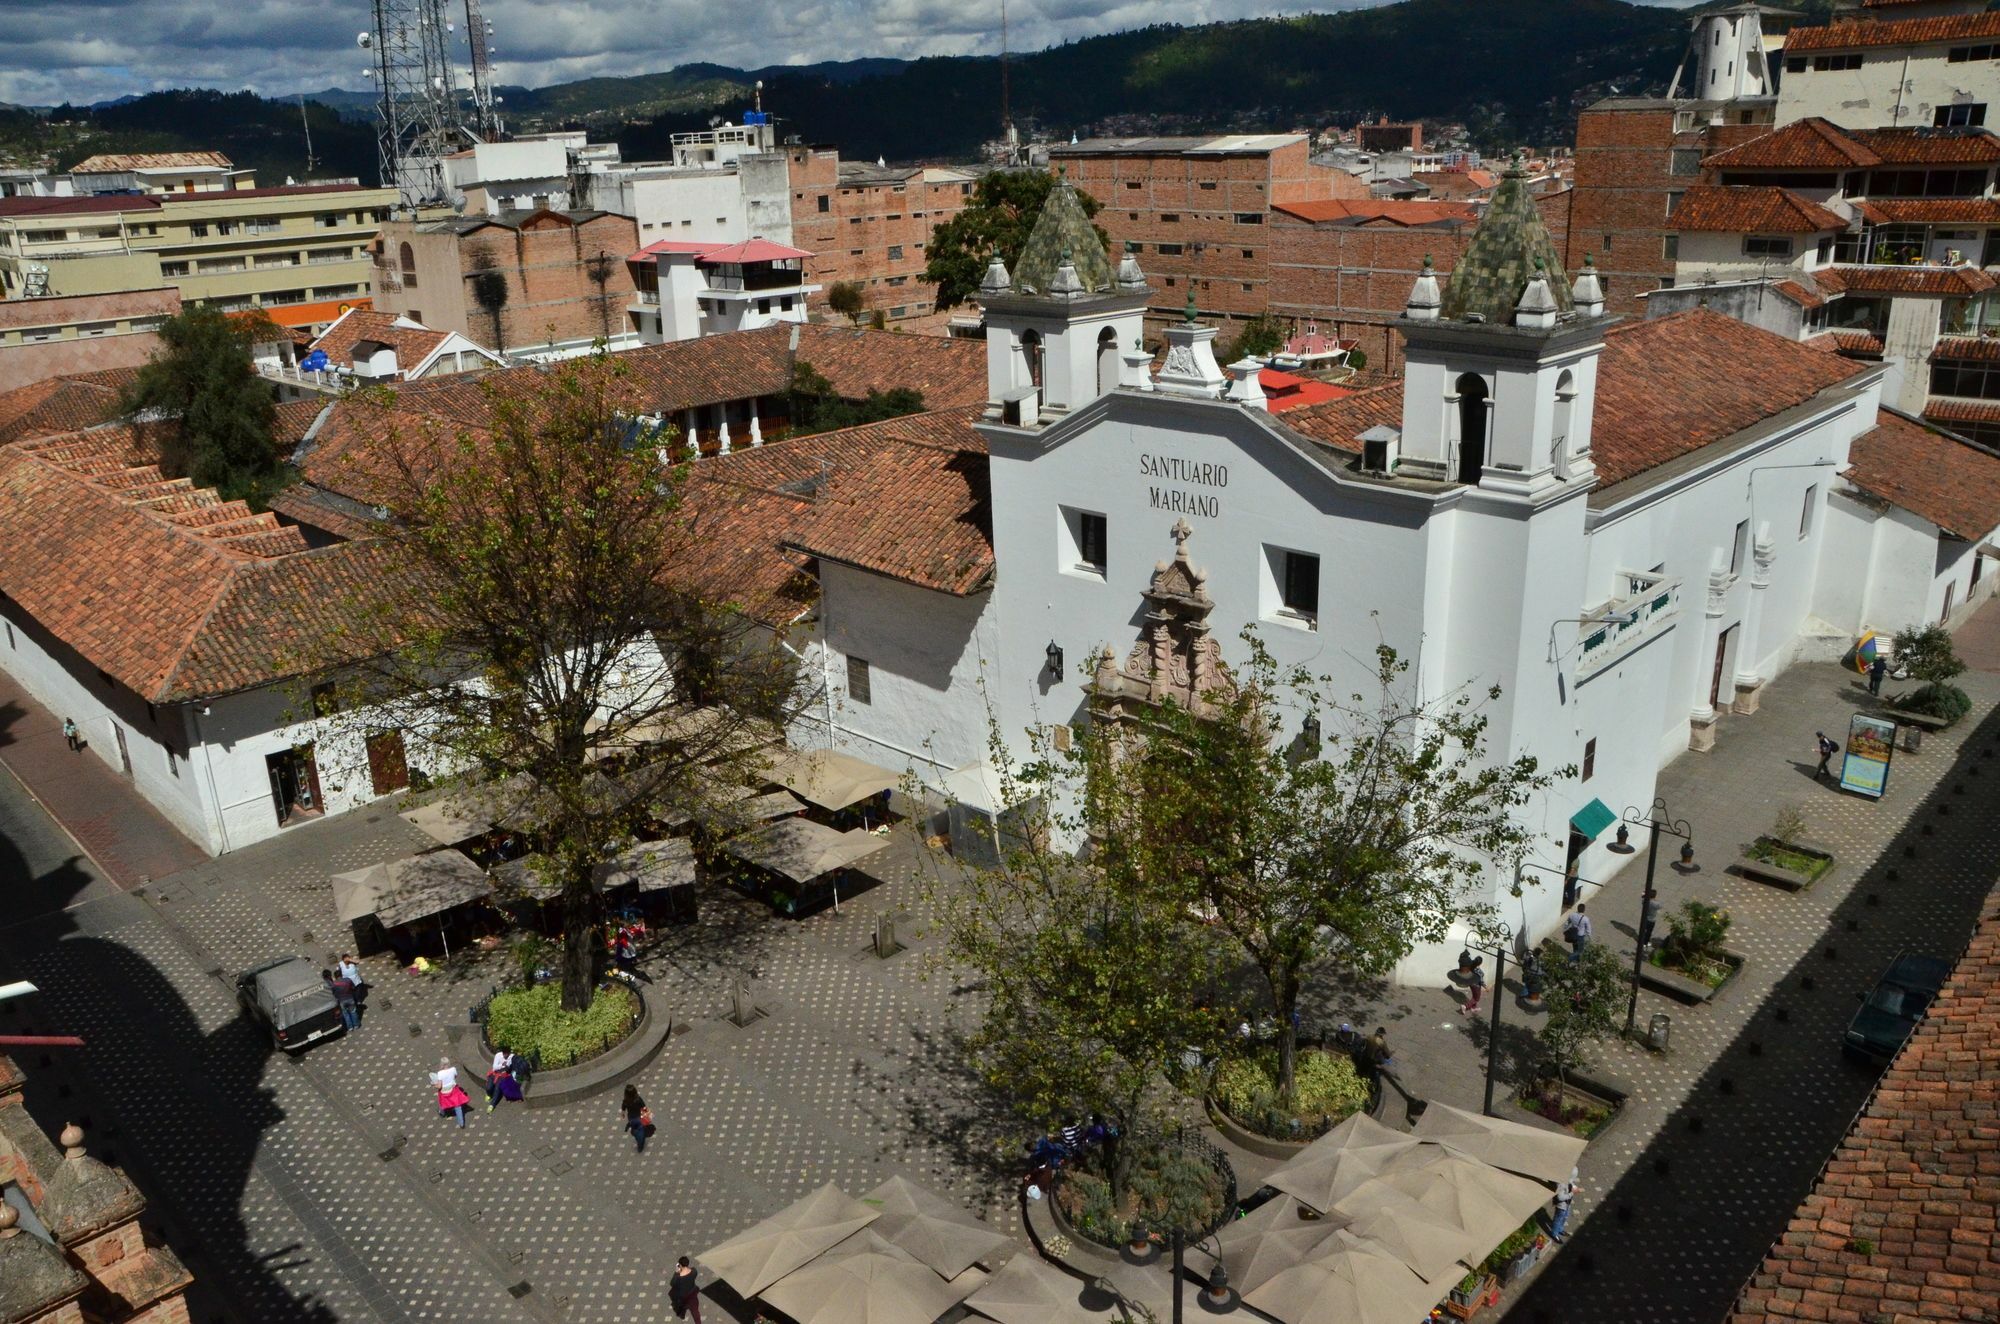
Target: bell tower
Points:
(1060, 325)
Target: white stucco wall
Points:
(702, 205)
(1895, 86)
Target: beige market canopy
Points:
(1030, 1290)
(1352, 1283)
(1516, 1146)
(449, 820)
(802, 850)
(1341, 1161)
(1400, 1227)
(653, 865)
(830, 779)
(865, 1280)
(1275, 1236)
(928, 1226)
(1483, 1200)
(408, 889)
(527, 877)
(763, 1253)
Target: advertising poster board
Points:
(1871, 747)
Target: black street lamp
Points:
(1658, 821)
(1496, 937)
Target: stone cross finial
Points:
(1181, 533)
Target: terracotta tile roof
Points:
(1751, 210)
(1915, 1176)
(1382, 211)
(411, 343)
(1927, 146)
(1338, 422)
(1937, 281)
(1848, 342)
(1963, 411)
(114, 162)
(1952, 483)
(1799, 294)
(1857, 35)
(63, 404)
(1814, 143)
(950, 372)
(168, 589)
(918, 509)
(1934, 211)
(1964, 349)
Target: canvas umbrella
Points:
(1030, 1290)
(1482, 1199)
(1340, 1161)
(929, 1227)
(763, 1253)
(865, 1280)
(1353, 1283)
(1273, 1238)
(1415, 1236)
(1516, 1146)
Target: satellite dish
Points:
(498, 100)
(367, 73)
(451, 27)
(364, 39)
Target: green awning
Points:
(1592, 819)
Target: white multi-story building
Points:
(684, 289)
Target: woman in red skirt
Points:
(452, 1097)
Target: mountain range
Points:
(1512, 72)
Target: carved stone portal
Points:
(1176, 657)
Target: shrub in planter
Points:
(1326, 1090)
(532, 1021)
(1941, 700)
(1167, 1189)
(1694, 941)
(1517, 1243)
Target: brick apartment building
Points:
(1345, 266)
(870, 226)
(1635, 156)
(524, 283)
(1200, 210)
(1382, 136)
(67, 334)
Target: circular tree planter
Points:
(608, 1070)
(1240, 1132)
(1106, 1235)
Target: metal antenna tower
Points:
(485, 119)
(416, 111)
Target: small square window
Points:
(1589, 759)
(1767, 245)
(825, 203)
(858, 683)
(1085, 536)
(1297, 583)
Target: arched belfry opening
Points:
(1474, 408)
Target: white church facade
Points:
(1629, 529)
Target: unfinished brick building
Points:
(870, 225)
(527, 283)
(1200, 210)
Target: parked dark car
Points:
(289, 999)
(1891, 1009)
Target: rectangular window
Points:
(1208, 184)
(1685, 161)
(825, 203)
(1298, 583)
(1965, 115)
(858, 684)
(1589, 759)
(895, 252)
(1170, 217)
(1806, 510)
(1739, 546)
(1673, 201)
(1249, 253)
(1170, 250)
(1249, 218)
(1670, 246)
(1796, 65)
(1607, 238)
(198, 230)
(1767, 245)
(1131, 183)
(173, 761)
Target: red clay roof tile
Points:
(1949, 482)
(1751, 210)
(1936, 281)
(63, 404)
(1861, 34)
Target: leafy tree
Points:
(215, 414)
(1261, 337)
(1357, 359)
(1000, 215)
(1925, 652)
(544, 611)
(845, 298)
(1095, 967)
(817, 407)
(1585, 1002)
(1354, 851)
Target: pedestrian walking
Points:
(1565, 1195)
(684, 1293)
(1379, 1057)
(637, 1117)
(451, 1097)
(500, 1082)
(350, 969)
(1474, 986)
(1827, 749)
(1576, 932)
(342, 989)
(1876, 670)
(70, 735)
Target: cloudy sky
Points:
(89, 50)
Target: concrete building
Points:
(1894, 68)
(60, 336)
(297, 253)
(520, 174)
(154, 173)
(528, 284)
(1199, 210)
(870, 225)
(683, 289)
(367, 348)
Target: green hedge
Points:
(1941, 700)
(1326, 1089)
(531, 1020)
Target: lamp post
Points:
(1497, 937)
(1657, 820)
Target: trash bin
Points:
(1913, 738)
(1658, 1032)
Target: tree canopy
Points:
(817, 407)
(998, 218)
(215, 414)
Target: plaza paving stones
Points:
(328, 1189)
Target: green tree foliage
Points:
(998, 218)
(543, 614)
(816, 407)
(845, 298)
(216, 414)
(1261, 337)
(1925, 652)
(1354, 851)
(1357, 360)
(1585, 1001)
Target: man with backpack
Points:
(1576, 932)
(1828, 747)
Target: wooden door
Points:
(388, 766)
